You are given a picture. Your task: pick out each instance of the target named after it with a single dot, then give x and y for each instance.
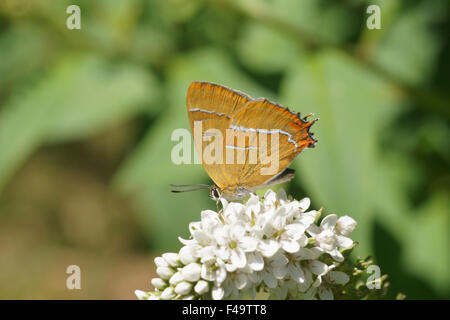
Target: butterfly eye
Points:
(215, 193)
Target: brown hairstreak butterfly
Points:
(244, 143)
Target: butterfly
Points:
(238, 162)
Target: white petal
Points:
(187, 242)
(344, 242)
(304, 204)
(221, 272)
(238, 258)
(269, 280)
(296, 273)
(316, 251)
(336, 255)
(268, 247)
(240, 280)
(234, 212)
(338, 277)
(221, 235)
(270, 197)
(237, 232)
(208, 273)
(281, 194)
(279, 260)
(290, 246)
(327, 239)
(195, 226)
(253, 206)
(217, 293)
(255, 277)
(207, 254)
(230, 267)
(308, 218)
(304, 254)
(255, 261)
(248, 244)
(308, 280)
(303, 240)
(295, 230)
(223, 253)
(313, 230)
(325, 293)
(279, 272)
(329, 221)
(209, 214)
(201, 237)
(318, 267)
(292, 209)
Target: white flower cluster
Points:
(271, 244)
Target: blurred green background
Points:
(86, 118)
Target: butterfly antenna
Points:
(199, 187)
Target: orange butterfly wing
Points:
(281, 135)
(211, 107)
(242, 129)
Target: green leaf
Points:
(16, 63)
(352, 104)
(100, 94)
(428, 244)
(412, 61)
(79, 96)
(330, 23)
(149, 171)
(420, 234)
(264, 49)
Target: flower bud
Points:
(160, 262)
(159, 283)
(164, 272)
(345, 225)
(191, 272)
(141, 295)
(201, 287)
(176, 278)
(171, 258)
(183, 288)
(218, 293)
(186, 255)
(167, 294)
